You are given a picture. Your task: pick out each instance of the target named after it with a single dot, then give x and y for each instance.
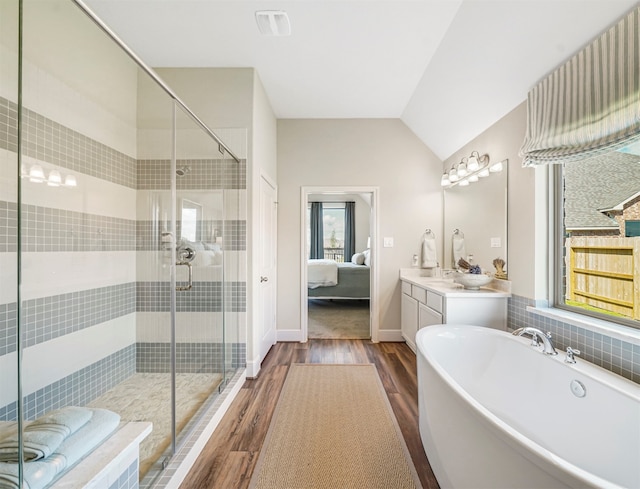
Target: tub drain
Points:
(578, 388)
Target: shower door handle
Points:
(190, 282)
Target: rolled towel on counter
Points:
(44, 435)
(429, 254)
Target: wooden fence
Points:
(604, 273)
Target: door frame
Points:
(373, 300)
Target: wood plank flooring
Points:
(228, 459)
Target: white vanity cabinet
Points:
(427, 302)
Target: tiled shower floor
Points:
(147, 397)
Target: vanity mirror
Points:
(478, 211)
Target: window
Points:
(598, 236)
(333, 227)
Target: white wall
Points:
(380, 153)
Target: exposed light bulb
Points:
(473, 164)
(70, 181)
(36, 174)
(54, 179)
(496, 167)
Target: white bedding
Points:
(322, 273)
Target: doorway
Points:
(347, 309)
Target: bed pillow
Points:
(358, 259)
(367, 257)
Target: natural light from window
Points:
(599, 237)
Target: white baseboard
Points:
(253, 367)
(390, 335)
(289, 335)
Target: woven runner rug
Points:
(333, 428)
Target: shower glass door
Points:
(200, 253)
(9, 223)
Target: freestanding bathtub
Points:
(497, 413)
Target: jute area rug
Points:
(333, 428)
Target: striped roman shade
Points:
(591, 104)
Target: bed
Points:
(351, 281)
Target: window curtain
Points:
(317, 231)
(591, 104)
(349, 230)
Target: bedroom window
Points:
(598, 236)
(331, 238)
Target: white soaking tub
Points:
(496, 412)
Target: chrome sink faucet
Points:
(536, 337)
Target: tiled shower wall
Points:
(58, 240)
(620, 357)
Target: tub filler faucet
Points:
(536, 337)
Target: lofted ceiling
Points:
(448, 68)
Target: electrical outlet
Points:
(387, 242)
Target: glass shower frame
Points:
(221, 234)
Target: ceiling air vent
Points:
(273, 22)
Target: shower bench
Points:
(114, 459)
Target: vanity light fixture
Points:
(470, 169)
(70, 181)
(496, 167)
(462, 168)
(36, 174)
(54, 179)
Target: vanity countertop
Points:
(448, 288)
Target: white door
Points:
(267, 288)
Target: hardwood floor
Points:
(230, 455)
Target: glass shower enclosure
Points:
(122, 235)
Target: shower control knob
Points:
(264, 279)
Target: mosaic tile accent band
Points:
(203, 297)
(8, 227)
(128, 479)
(50, 317)
(202, 174)
(47, 229)
(79, 388)
(620, 357)
(8, 125)
(8, 328)
(190, 357)
(47, 140)
(232, 232)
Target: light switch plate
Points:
(496, 242)
(387, 242)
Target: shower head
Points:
(181, 172)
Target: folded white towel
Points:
(429, 255)
(44, 435)
(459, 250)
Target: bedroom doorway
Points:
(338, 279)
